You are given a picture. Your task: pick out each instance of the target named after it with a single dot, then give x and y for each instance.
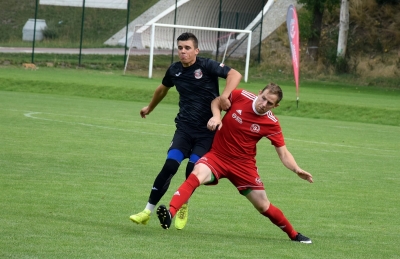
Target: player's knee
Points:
(170, 167)
(194, 158)
(258, 198)
(175, 154)
(202, 174)
(196, 171)
(263, 206)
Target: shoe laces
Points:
(182, 213)
(143, 214)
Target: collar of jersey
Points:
(254, 108)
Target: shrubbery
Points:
(388, 1)
(50, 33)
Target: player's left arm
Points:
(289, 161)
(232, 81)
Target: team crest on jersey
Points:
(198, 73)
(255, 128)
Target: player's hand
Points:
(144, 111)
(214, 123)
(224, 103)
(304, 175)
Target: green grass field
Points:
(76, 160)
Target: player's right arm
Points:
(232, 81)
(159, 94)
(216, 118)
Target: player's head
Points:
(274, 89)
(187, 48)
(188, 36)
(268, 98)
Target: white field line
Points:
(341, 145)
(105, 119)
(354, 128)
(32, 116)
(353, 153)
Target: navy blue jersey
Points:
(197, 86)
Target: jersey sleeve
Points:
(235, 94)
(276, 138)
(217, 68)
(167, 80)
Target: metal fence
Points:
(30, 27)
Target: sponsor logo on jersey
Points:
(239, 111)
(198, 73)
(237, 118)
(255, 128)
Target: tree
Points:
(317, 7)
(344, 28)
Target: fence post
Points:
(261, 30)
(173, 36)
(219, 26)
(127, 30)
(82, 23)
(34, 33)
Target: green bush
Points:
(50, 33)
(381, 2)
(342, 65)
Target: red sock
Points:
(183, 194)
(276, 216)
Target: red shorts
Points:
(242, 173)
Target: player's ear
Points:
(276, 105)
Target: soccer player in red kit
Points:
(233, 152)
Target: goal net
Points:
(162, 38)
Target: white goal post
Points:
(240, 32)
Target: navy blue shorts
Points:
(191, 141)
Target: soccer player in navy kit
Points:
(233, 152)
(196, 80)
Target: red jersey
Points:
(243, 127)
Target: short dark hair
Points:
(274, 89)
(188, 36)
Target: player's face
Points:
(266, 101)
(187, 52)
